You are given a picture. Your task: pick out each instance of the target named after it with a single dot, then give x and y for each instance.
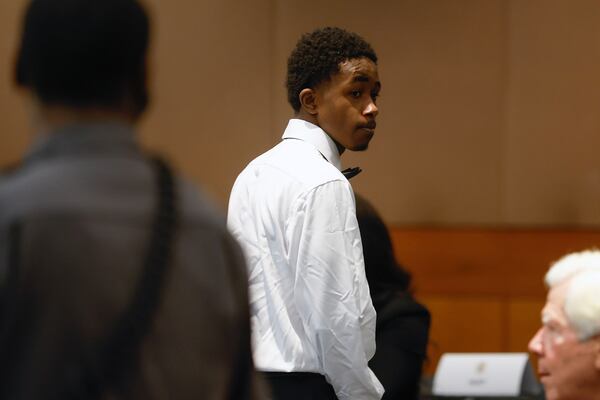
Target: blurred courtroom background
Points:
(485, 161)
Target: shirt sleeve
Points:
(331, 290)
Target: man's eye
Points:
(553, 329)
(355, 93)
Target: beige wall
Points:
(211, 108)
(488, 109)
(553, 137)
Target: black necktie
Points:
(351, 172)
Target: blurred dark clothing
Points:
(402, 330)
(83, 201)
(299, 386)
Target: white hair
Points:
(572, 264)
(582, 304)
(582, 301)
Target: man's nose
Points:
(371, 109)
(535, 344)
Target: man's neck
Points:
(49, 118)
(303, 115)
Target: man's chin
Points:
(551, 393)
(549, 389)
(360, 147)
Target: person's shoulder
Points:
(304, 163)
(7, 173)
(73, 184)
(258, 165)
(21, 186)
(8, 169)
(291, 164)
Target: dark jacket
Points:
(402, 334)
(402, 329)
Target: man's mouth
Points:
(369, 131)
(370, 127)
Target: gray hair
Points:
(582, 301)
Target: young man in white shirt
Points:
(293, 211)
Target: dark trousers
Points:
(299, 386)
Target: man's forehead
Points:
(359, 67)
(554, 308)
(558, 293)
(553, 314)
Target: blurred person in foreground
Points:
(402, 329)
(568, 343)
(117, 279)
(293, 211)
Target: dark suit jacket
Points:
(402, 334)
(84, 199)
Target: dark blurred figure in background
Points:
(118, 280)
(402, 328)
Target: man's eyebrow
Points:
(360, 78)
(365, 78)
(550, 317)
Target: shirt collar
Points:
(311, 133)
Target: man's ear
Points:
(308, 101)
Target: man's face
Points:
(565, 364)
(346, 107)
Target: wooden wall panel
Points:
(523, 322)
(463, 324)
(501, 262)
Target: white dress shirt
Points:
(293, 212)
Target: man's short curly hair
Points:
(317, 56)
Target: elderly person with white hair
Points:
(568, 343)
